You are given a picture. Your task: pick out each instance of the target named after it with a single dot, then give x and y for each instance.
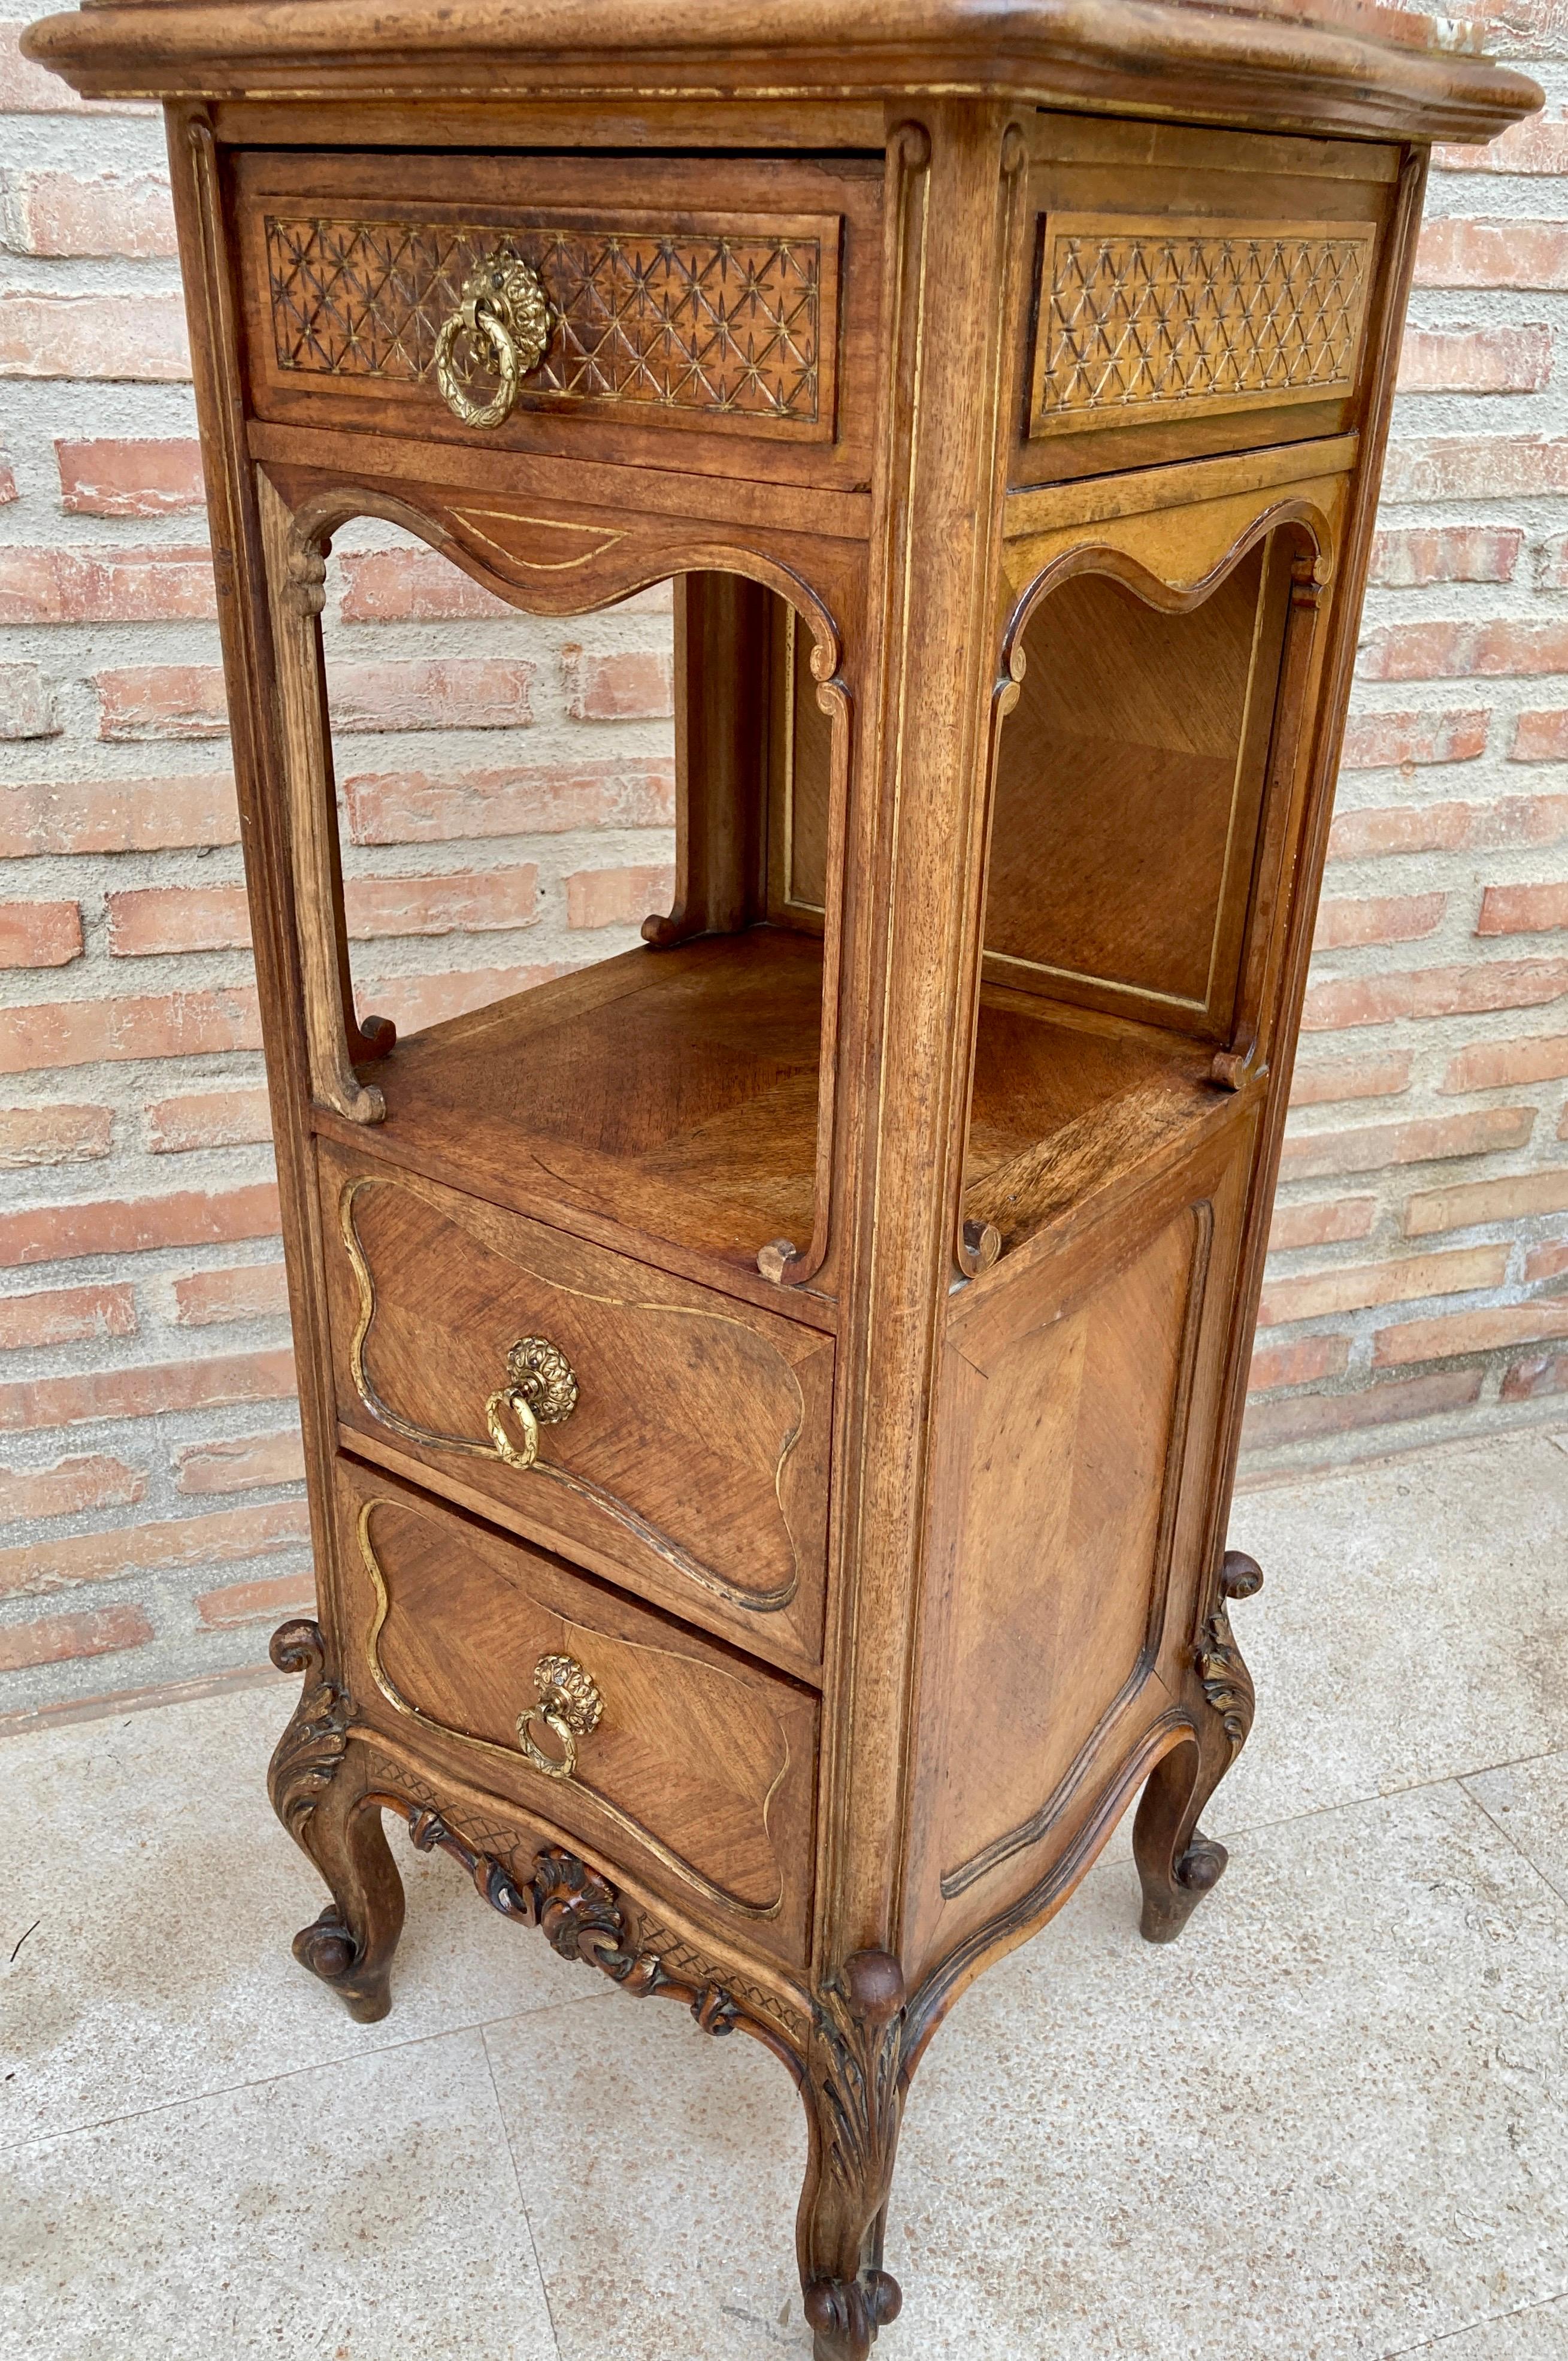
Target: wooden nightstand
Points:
(771, 1399)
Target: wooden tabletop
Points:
(1353, 66)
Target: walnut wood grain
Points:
(770, 1402)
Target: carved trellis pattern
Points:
(1138, 316)
(725, 322)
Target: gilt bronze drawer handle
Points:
(543, 1391)
(569, 1706)
(504, 309)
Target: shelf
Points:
(671, 1097)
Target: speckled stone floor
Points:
(1331, 2123)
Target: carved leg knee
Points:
(318, 1793)
(1177, 1863)
(854, 2101)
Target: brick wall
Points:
(506, 788)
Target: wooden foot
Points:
(1177, 1864)
(854, 2101)
(318, 1792)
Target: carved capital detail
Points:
(307, 1757)
(1227, 1683)
(857, 2060)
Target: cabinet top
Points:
(1343, 66)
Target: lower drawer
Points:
(684, 1451)
(651, 1745)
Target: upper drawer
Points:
(684, 1452)
(1195, 292)
(701, 314)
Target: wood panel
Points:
(1195, 292)
(699, 1766)
(1080, 1402)
(713, 314)
(1129, 785)
(693, 1462)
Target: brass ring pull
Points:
(569, 1706)
(505, 311)
(542, 1392)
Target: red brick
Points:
(1547, 1261)
(1475, 360)
(1538, 1375)
(1469, 1332)
(1422, 1140)
(1541, 738)
(1321, 1224)
(8, 482)
(1450, 649)
(250, 1291)
(256, 1602)
(189, 1217)
(455, 693)
(140, 337)
(413, 586)
(157, 1392)
(130, 477)
(160, 701)
(1502, 1065)
(1519, 819)
(243, 1466)
(113, 212)
(1306, 1362)
(1409, 557)
(467, 902)
(1523, 909)
(66, 1315)
(1476, 468)
(118, 815)
(28, 89)
(1381, 741)
(414, 807)
(41, 1134)
(1327, 1079)
(56, 1639)
(617, 897)
(1469, 1204)
(629, 685)
(414, 1002)
(68, 1487)
(83, 586)
(1536, 146)
(1551, 562)
(1453, 252)
(1419, 828)
(1318, 1294)
(225, 1118)
(170, 1024)
(1388, 919)
(1310, 1415)
(145, 919)
(26, 703)
(39, 934)
(208, 1540)
(1434, 992)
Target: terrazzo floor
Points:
(1331, 2123)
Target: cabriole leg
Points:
(1177, 1863)
(854, 2099)
(317, 1790)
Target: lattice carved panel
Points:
(735, 318)
(1140, 318)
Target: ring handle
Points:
(542, 1392)
(504, 308)
(569, 1706)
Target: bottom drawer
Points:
(656, 1747)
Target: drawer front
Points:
(659, 1750)
(728, 301)
(1196, 292)
(692, 1461)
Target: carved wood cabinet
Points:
(771, 1398)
